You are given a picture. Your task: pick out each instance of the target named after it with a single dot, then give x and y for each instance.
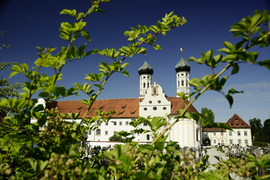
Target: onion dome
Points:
(182, 65)
(145, 68)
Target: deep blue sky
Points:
(32, 23)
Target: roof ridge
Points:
(237, 122)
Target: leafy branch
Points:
(235, 55)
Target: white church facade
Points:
(152, 101)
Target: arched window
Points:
(148, 137)
(147, 85)
(186, 83)
(198, 134)
(143, 85)
(182, 83)
(178, 83)
(98, 131)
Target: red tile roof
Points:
(237, 122)
(126, 108)
(213, 130)
(234, 122)
(179, 103)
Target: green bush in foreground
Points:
(48, 149)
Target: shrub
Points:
(49, 149)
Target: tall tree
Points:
(208, 118)
(7, 89)
(266, 130)
(256, 125)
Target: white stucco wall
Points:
(230, 137)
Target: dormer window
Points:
(101, 107)
(121, 112)
(79, 108)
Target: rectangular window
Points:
(145, 124)
(115, 123)
(126, 123)
(98, 122)
(120, 123)
(215, 141)
(239, 141)
(98, 132)
(221, 133)
(230, 133)
(89, 132)
(245, 133)
(214, 133)
(239, 133)
(107, 123)
(246, 141)
(231, 141)
(106, 132)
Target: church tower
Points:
(145, 72)
(182, 69)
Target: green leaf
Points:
(125, 72)
(157, 47)
(81, 52)
(195, 82)
(228, 45)
(146, 148)
(225, 50)
(42, 164)
(33, 164)
(79, 15)
(182, 95)
(69, 12)
(235, 69)
(66, 25)
(229, 99)
(125, 163)
(265, 63)
(86, 35)
(229, 58)
(73, 51)
(160, 143)
(233, 91)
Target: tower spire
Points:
(182, 69)
(145, 72)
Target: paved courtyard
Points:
(212, 152)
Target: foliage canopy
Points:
(49, 149)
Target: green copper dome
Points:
(145, 69)
(182, 65)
